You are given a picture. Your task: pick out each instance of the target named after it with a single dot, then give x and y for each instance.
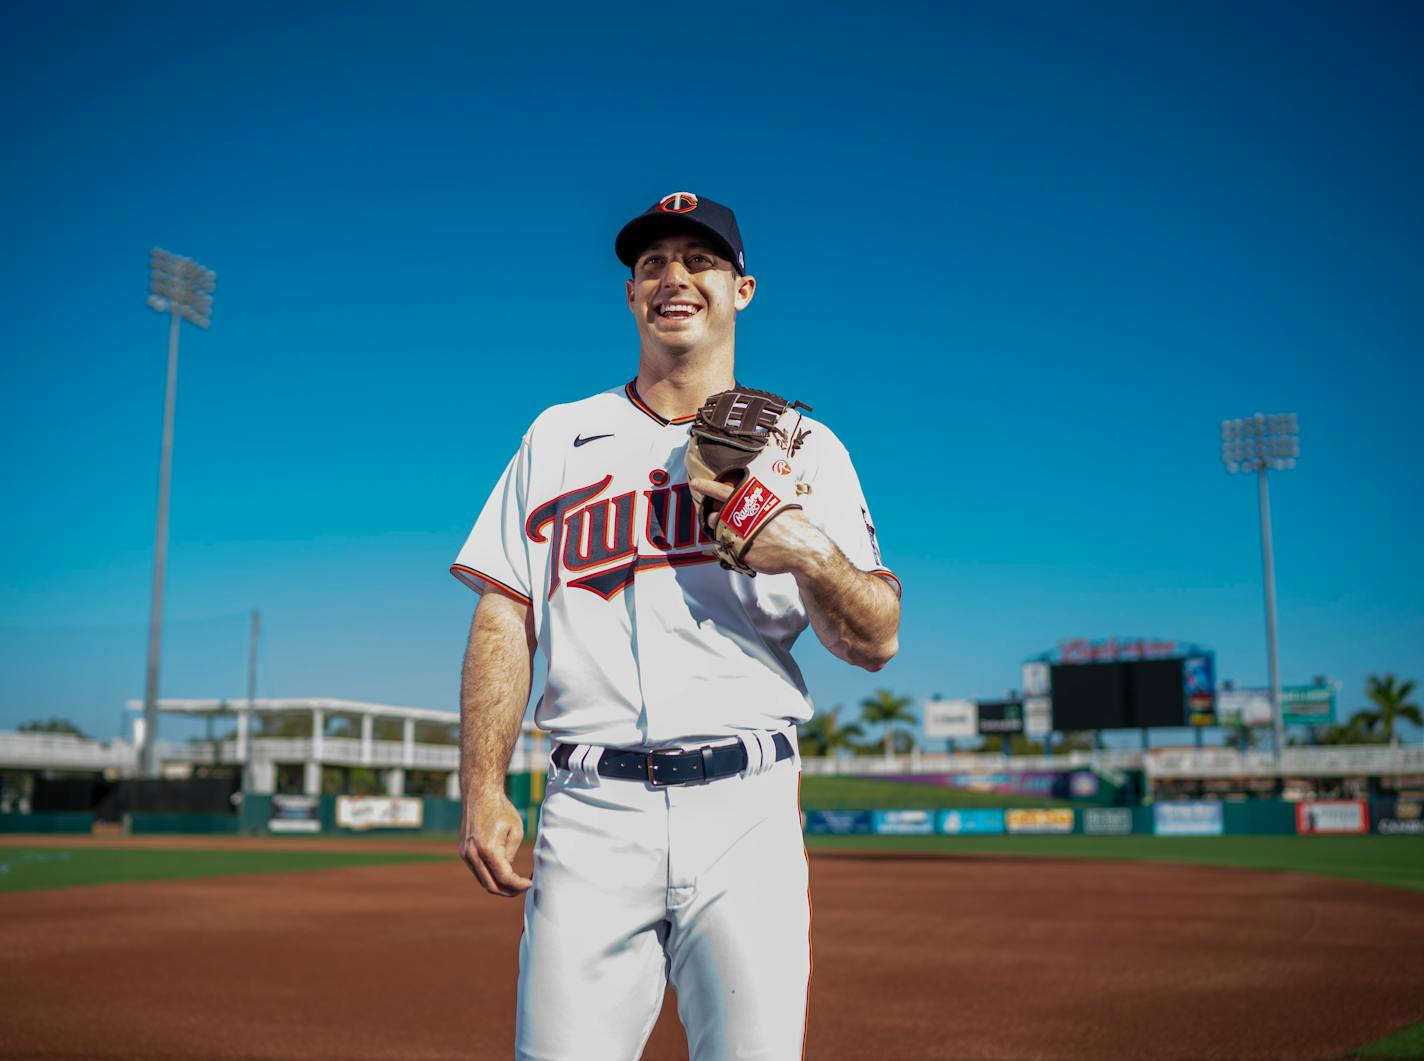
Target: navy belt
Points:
(675, 766)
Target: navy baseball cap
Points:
(682, 212)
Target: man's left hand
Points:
(787, 544)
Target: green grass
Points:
(1405, 1043)
(860, 793)
(26, 869)
(1397, 861)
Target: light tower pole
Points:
(183, 289)
(1258, 443)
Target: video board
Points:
(1131, 694)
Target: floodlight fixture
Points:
(183, 289)
(1260, 443)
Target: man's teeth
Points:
(677, 311)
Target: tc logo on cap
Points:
(678, 203)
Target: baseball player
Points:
(669, 847)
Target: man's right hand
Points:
(489, 838)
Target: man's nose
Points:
(675, 274)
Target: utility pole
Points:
(1258, 443)
(183, 289)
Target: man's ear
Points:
(628, 284)
(746, 288)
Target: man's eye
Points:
(701, 259)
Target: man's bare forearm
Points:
(856, 615)
(494, 689)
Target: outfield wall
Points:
(1385, 817)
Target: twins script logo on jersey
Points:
(597, 539)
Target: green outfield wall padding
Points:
(518, 788)
(48, 822)
(1258, 817)
(182, 823)
(441, 815)
(254, 812)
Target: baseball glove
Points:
(743, 437)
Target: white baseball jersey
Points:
(649, 640)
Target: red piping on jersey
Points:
(631, 390)
(509, 591)
(889, 576)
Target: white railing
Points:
(56, 751)
(1342, 761)
(964, 763)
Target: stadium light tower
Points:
(183, 289)
(1258, 443)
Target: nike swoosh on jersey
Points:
(579, 440)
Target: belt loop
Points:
(584, 763)
(768, 751)
(707, 756)
(753, 749)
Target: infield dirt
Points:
(915, 957)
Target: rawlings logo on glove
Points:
(729, 444)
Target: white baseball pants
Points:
(703, 886)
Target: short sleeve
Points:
(838, 507)
(496, 554)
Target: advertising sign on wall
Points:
(1055, 820)
(1332, 816)
(1035, 679)
(379, 812)
(1190, 817)
(951, 719)
(903, 822)
(1399, 817)
(957, 822)
(1302, 705)
(295, 814)
(1107, 821)
(1000, 717)
(1038, 716)
(1199, 685)
(837, 821)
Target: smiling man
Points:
(669, 846)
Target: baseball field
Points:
(924, 947)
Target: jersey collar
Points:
(631, 390)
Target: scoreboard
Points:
(1135, 693)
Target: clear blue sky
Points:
(1024, 258)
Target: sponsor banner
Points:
(1047, 784)
(1399, 817)
(295, 814)
(1036, 679)
(1308, 705)
(1332, 816)
(1038, 716)
(961, 822)
(1083, 784)
(837, 821)
(1199, 687)
(1000, 717)
(1055, 820)
(1188, 817)
(903, 822)
(951, 719)
(1107, 821)
(379, 812)
(1301, 705)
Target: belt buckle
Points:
(652, 756)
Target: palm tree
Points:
(886, 709)
(1392, 700)
(824, 734)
